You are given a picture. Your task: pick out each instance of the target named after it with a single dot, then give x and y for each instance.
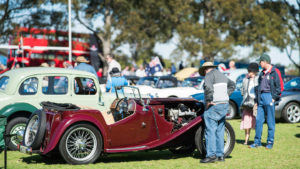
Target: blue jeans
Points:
(265, 108)
(214, 119)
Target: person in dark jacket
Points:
(270, 86)
(116, 80)
(217, 89)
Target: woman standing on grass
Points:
(248, 105)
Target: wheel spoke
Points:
(81, 144)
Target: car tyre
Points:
(232, 111)
(186, 149)
(35, 130)
(229, 138)
(73, 144)
(16, 126)
(291, 112)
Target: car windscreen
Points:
(3, 82)
(165, 83)
(293, 84)
(191, 82)
(148, 81)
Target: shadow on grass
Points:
(250, 142)
(35, 159)
(115, 158)
(297, 135)
(238, 141)
(144, 156)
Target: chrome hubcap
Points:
(19, 131)
(81, 144)
(293, 113)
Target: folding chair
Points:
(3, 136)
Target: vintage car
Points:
(168, 86)
(22, 90)
(131, 124)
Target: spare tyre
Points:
(35, 130)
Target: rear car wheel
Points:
(187, 149)
(229, 140)
(232, 111)
(81, 144)
(35, 130)
(16, 126)
(291, 113)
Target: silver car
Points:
(288, 108)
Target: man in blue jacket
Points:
(270, 86)
(116, 80)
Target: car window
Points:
(292, 84)
(3, 82)
(55, 85)
(84, 86)
(29, 86)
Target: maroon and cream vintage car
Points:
(132, 123)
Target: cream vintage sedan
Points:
(22, 90)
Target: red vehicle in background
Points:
(32, 46)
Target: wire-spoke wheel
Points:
(291, 112)
(81, 144)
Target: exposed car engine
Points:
(181, 115)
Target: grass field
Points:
(285, 154)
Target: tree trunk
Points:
(106, 40)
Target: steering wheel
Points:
(122, 107)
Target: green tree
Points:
(293, 22)
(102, 18)
(150, 22)
(217, 26)
(289, 15)
(29, 13)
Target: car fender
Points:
(17, 107)
(284, 101)
(67, 122)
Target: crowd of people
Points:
(261, 92)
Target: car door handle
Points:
(143, 124)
